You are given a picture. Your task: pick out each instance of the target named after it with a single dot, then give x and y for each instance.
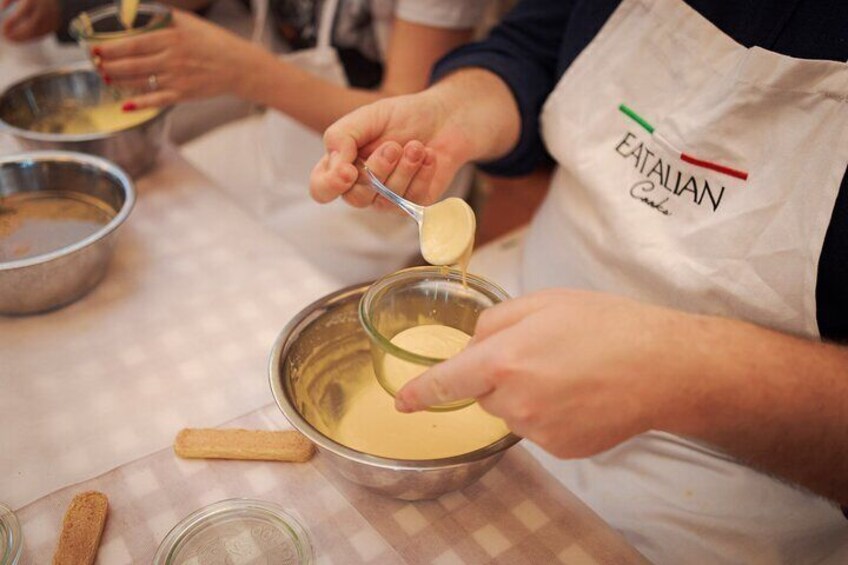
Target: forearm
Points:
(308, 98)
(778, 403)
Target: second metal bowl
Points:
(53, 279)
(26, 103)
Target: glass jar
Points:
(417, 297)
(11, 539)
(236, 530)
(104, 24)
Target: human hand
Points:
(363, 134)
(576, 372)
(31, 19)
(466, 116)
(190, 59)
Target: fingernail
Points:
(108, 80)
(129, 106)
(391, 152)
(96, 52)
(414, 152)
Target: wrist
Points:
(250, 68)
(477, 103)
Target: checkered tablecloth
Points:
(176, 335)
(517, 513)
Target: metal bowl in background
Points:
(312, 367)
(26, 104)
(57, 278)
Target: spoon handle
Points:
(414, 210)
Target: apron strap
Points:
(325, 27)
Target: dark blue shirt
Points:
(539, 39)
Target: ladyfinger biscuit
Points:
(243, 444)
(81, 529)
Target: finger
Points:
(133, 67)
(144, 44)
(409, 164)
(330, 179)
(421, 189)
(158, 99)
(6, 3)
(21, 29)
(382, 163)
(469, 374)
(141, 83)
(18, 17)
(508, 313)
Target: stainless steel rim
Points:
(281, 347)
(74, 157)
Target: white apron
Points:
(700, 175)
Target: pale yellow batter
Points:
(93, 119)
(372, 425)
(129, 9)
(447, 233)
(433, 340)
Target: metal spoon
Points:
(445, 229)
(414, 210)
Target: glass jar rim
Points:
(12, 536)
(77, 26)
(192, 524)
(419, 273)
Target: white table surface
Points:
(177, 334)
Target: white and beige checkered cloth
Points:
(517, 513)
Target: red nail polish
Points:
(129, 106)
(96, 51)
(107, 79)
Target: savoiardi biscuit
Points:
(205, 443)
(81, 529)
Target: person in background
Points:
(353, 52)
(680, 341)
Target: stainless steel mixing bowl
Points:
(48, 281)
(313, 370)
(54, 92)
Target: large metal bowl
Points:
(54, 279)
(25, 103)
(311, 365)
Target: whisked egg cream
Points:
(373, 425)
(433, 340)
(103, 118)
(447, 233)
(127, 12)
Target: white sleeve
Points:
(448, 14)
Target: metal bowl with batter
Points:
(36, 110)
(319, 367)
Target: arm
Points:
(30, 19)
(413, 49)
(469, 115)
(196, 59)
(776, 402)
(484, 106)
